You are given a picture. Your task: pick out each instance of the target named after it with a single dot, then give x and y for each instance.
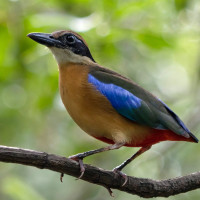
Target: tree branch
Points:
(139, 186)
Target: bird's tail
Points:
(193, 138)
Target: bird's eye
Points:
(70, 39)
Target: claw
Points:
(116, 170)
(80, 161)
(109, 190)
(61, 177)
(82, 168)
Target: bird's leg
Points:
(79, 157)
(120, 167)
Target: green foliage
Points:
(17, 189)
(154, 42)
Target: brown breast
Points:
(92, 111)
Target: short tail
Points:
(193, 138)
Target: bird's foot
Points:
(79, 159)
(118, 171)
(61, 177)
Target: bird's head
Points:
(67, 46)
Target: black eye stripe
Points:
(70, 39)
(75, 44)
(67, 38)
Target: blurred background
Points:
(156, 43)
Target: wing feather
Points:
(135, 103)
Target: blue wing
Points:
(126, 103)
(122, 100)
(135, 103)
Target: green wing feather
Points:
(152, 111)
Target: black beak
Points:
(45, 39)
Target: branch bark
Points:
(146, 188)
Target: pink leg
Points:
(120, 167)
(79, 157)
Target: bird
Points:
(107, 105)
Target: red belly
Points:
(155, 137)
